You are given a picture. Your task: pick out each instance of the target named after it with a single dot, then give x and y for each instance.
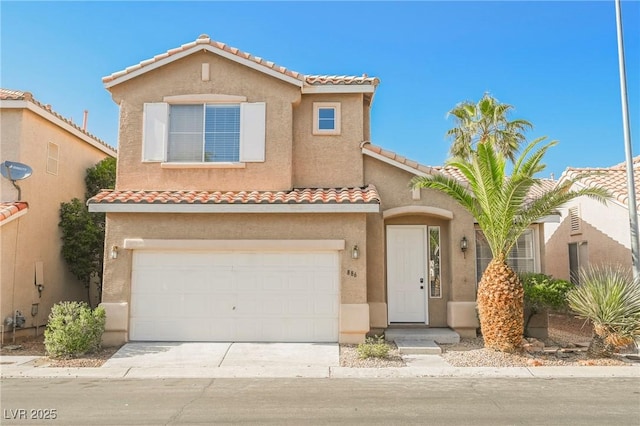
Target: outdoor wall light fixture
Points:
(355, 252)
(464, 245)
(114, 252)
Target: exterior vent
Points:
(53, 154)
(575, 221)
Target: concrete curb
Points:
(24, 370)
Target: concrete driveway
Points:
(213, 355)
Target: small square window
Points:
(326, 118)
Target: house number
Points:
(351, 273)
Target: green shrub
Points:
(373, 347)
(609, 296)
(545, 292)
(74, 329)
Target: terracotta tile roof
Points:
(613, 179)
(317, 80)
(9, 209)
(452, 172)
(365, 195)
(205, 40)
(449, 171)
(17, 95)
(14, 95)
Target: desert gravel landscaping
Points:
(566, 346)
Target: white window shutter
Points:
(252, 132)
(154, 131)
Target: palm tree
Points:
(503, 210)
(486, 121)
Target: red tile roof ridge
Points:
(613, 179)
(17, 95)
(204, 39)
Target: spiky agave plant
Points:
(609, 297)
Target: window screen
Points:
(521, 258)
(209, 133)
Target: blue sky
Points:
(556, 62)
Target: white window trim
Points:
(156, 131)
(316, 122)
(206, 98)
(203, 165)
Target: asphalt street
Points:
(428, 401)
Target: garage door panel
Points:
(235, 296)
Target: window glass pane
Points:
(326, 118)
(435, 286)
(327, 113)
(522, 257)
(222, 133)
(185, 133)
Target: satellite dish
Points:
(15, 171)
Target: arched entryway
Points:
(418, 268)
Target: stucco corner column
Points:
(354, 322)
(116, 329)
(463, 318)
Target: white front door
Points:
(406, 273)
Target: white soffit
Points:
(339, 88)
(233, 208)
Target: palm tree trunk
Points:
(599, 348)
(501, 307)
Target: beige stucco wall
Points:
(183, 77)
(458, 270)
(35, 236)
(328, 160)
(601, 249)
(349, 227)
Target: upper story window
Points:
(326, 118)
(199, 133)
(204, 133)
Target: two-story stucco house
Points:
(251, 206)
(34, 275)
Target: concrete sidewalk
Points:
(275, 360)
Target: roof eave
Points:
(53, 118)
(234, 208)
(143, 69)
(338, 88)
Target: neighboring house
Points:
(592, 233)
(250, 206)
(59, 152)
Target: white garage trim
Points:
(421, 210)
(253, 245)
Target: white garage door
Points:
(234, 296)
